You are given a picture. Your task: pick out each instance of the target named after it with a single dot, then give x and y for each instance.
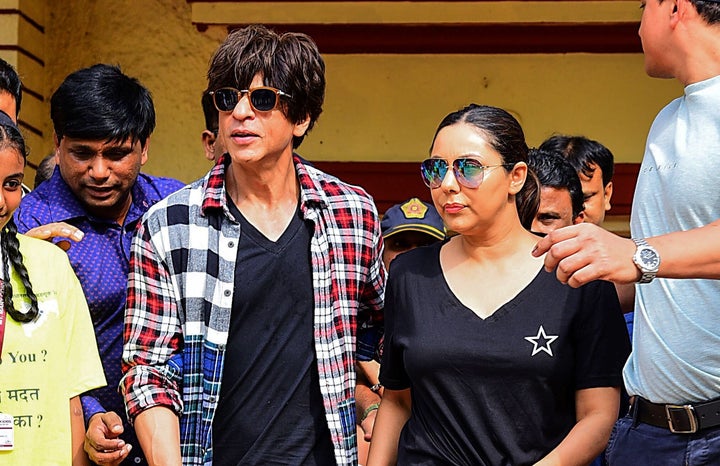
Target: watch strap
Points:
(646, 275)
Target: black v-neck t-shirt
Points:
(499, 390)
(271, 410)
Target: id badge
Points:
(7, 435)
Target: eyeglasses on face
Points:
(468, 172)
(262, 99)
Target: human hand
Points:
(57, 230)
(101, 439)
(368, 424)
(585, 252)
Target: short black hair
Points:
(10, 82)
(583, 154)
(100, 103)
(555, 172)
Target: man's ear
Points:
(208, 142)
(56, 142)
(301, 126)
(580, 218)
(679, 9)
(608, 192)
(144, 153)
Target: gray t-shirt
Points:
(676, 341)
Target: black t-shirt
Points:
(271, 410)
(500, 390)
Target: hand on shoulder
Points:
(585, 252)
(57, 230)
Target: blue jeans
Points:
(638, 444)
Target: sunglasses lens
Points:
(433, 172)
(226, 99)
(263, 99)
(469, 172)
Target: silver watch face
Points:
(649, 258)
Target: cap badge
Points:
(414, 208)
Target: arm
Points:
(77, 429)
(626, 296)
(152, 355)
(586, 252)
(365, 398)
(158, 432)
(393, 414)
(371, 316)
(596, 410)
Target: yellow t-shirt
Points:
(47, 361)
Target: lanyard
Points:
(3, 318)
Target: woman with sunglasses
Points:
(488, 360)
(47, 344)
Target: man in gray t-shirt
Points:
(673, 373)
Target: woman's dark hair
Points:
(527, 199)
(501, 130)
(290, 62)
(10, 138)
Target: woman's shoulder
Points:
(422, 258)
(41, 252)
(585, 298)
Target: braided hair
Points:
(10, 138)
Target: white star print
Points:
(541, 342)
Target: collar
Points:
(69, 207)
(215, 198)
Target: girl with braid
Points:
(48, 353)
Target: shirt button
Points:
(227, 293)
(231, 244)
(212, 399)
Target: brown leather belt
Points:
(679, 419)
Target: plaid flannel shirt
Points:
(180, 293)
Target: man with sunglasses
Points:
(250, 287)
(673, 373)
(102, 122)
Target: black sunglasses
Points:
(468, 172)
(262, 99)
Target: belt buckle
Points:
(690, 411)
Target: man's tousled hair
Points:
(290, 62)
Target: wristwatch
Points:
(647, 259)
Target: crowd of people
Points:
(266, 314)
